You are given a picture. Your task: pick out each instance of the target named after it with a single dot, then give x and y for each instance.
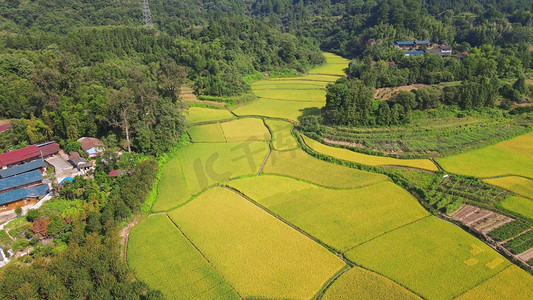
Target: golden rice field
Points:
(298, 164)
(520, 185)
(358, 283)
(282, 138)
(310, 95)
(209, 133)
(510, 284)
(256, 253)
(431, 257)
(280, 109)
(288, 84)
(196, 115)
(511, 157)
(153, 249)
(519, 205)
(247, 129)
(365, 159)
(341, 219)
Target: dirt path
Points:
(124, 235)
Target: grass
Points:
(302, 94)
(210, 133)
(431, 257)
(519, 205)
(512, 157)
(172, 190)
(298, 164)
(205, 164)
(366, 159)
(162, 257)
(281, 109)
(511, 283)
(358, 283)
(339, 218)
(201, 114)
(258, 254)
(282, 135)
(247, 129)
(519, 185)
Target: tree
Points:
(170, 78)
(121, 112)
(18, 211)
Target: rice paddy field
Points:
(190, 277)
(341, 219)
(520, 185)
(244, 212)
(431, 257)
(511, 157)
(300, 165)
(197, 115)
(258, 255)
(365, 159)
(511, 283)
(282, 138)
(519, 205)
(358, 283)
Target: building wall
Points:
(20, 203)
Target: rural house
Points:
(23, 168)
(23, 196)
(48, 149)
(91, 145)
(19, 156)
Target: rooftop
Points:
(89, 142)
(29, 166)
(5, 127)
(49, 148)
(19, 180)
(19, 194)
(19, 155)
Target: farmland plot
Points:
(258, 255)
(204, 164)
(287, 84)
(512, 157)
(298, 164)
(196, 115)
(282, 138)
(164, 258)
(289, 110)
(358, 283)
(516, 184)
(172, 189)
(366, 159)
(511, 283)
(247, 129)
(304, 95)
(338, 218)
(210, 133)
(519, 205)
(431, 257)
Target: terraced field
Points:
(246, 213)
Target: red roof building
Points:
(113, 173)
(49, 149)
(20, 155)
(5, 127)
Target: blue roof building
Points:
(27, 167)
(24, 193)
(410, 53)
(20, 180)
(404, 43)
(422, 42)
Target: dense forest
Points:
(90, 68)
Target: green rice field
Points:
(365, 159)
(282, 138)
(247, 129)
(430, 257)
(257, 254)
(341, 219)
(520, 185)
(519, 205)
(196, 115)
(298, 164)
(310, 95)
(511, 157)
(209, 133)
(358, 283)
(280, 109)
(189, 277)
(172, 189)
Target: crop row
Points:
(509, 230)
(521, 243)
